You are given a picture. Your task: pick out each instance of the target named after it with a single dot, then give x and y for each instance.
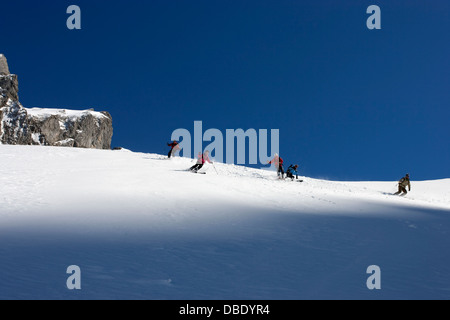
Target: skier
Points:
(291, 171)
(175, 146)
(201, 160)
(277, 161)
(402, 184)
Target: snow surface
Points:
(140, 227)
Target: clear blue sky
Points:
(350, 103)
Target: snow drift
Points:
(141, 227)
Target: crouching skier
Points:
(402, 184)
(201, 160)
(175, 146)
(291, 171)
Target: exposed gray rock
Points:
(55, 127)
(4, 70)
(60, 127)
(50, 127)
(14, 124)
(9, 89)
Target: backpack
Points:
(403, 181)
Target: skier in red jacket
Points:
(201, 160)
(175, 146)
(277, 161)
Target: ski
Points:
(394, 194)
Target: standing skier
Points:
(291, 171)
(175, 146)
(201, 160)
(402, 184)
(277, 161)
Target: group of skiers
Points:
(202, 158)
(292, 171)
(277, 161)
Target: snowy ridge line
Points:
(44, 113)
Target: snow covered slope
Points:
(141, 227)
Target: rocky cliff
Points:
(84, 129)
(50, 127)
(4, 70)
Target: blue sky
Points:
(350, 103)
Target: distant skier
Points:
(291, 171)
(175, 146)
(277, 161)
(201, 160)
(402, 184)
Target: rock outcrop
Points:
(68, 128)
(4, 70)
(49, 127)
(14, 124)
(9, 89)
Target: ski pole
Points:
(215, 168)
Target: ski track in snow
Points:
(140, 227)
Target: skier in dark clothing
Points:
(277, 161)
(201, 160)
(402, 184)
(175, 146)
(291, 171)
